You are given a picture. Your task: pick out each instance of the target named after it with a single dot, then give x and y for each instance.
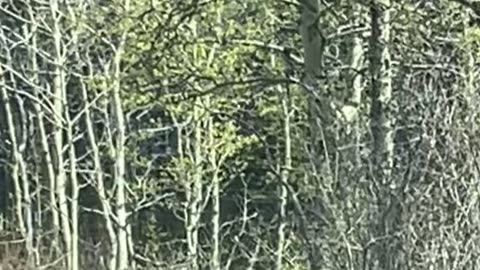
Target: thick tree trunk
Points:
(313, 49)
(357, 55)
(320, 116)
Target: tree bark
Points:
(99, 181)
(45, 148)
(195, 193)
(357, 55)
(382, 127)
(17, 132)
(284, 172)
(16, 158)
(59, 110)
(122, 238)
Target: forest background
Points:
(210, 134)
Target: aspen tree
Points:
(119, 170)
(381, 121)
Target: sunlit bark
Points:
(122, 238)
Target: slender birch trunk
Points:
(381, 124)
(194, 187)
(99, 181)
(22, 123)
(74, 193)
(18, 136)
(195, 191)
(283, 196)
(286, 167)
(216, 259)
(122, 238)
(59, 109)
(15, 154)
(75, 189)
(27, 200)
(216, 263)
(120, 170)
(47, 157)
(38, 213)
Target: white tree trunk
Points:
(32, 52)
(381, 94)
(196, 193)
(122, 238)
(284, 172)
(216, 262)
(15, 166)
(59, 110)
(19, 171)
(357, 56)
(16, 157)
(195, 185)
(100, 185)
(75, 190)
(216, 259)
(381, 125)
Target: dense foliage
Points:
(209, 134)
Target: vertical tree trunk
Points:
(75, 193)
(216, 260)
(120, 169)
(381, 125)
(59, 103)
(195, 185)
(75, 189)
(47, 158)
(27, 200)
(196, 192)
(286, 167)
(285, 176)
(214, 162)
(319, 108)
(313, 49)
(357, 55)
(18, 136)
(15, 154)
(38, 212)
(381, 94)
(312, 40)
(99, 180)
(123, 259)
